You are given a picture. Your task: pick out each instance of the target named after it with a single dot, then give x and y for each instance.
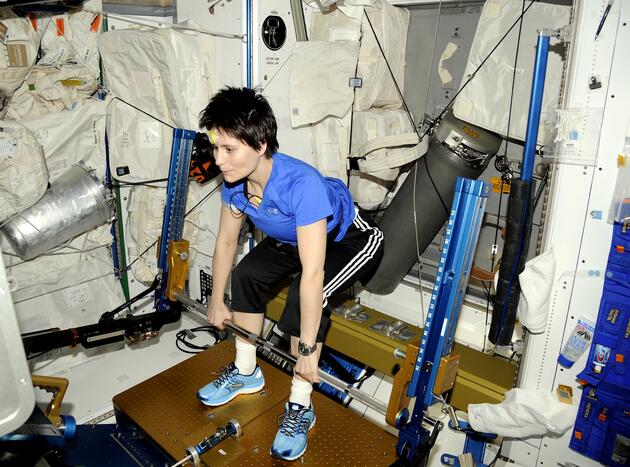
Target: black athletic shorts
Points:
(353, 258)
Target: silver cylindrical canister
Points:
(75, 203)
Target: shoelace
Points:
(227, 373)
(292, 423)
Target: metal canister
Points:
(75, 203)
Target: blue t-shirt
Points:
(295, 195)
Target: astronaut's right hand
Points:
(217, 313)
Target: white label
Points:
(149, 135)
(87, 53)
(78, 295)
(453, 139)
(8, 148)
(42, 136)
(143, 83)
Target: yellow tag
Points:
(621, 160)
(496, 185)
(71, 83)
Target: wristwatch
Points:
(306, 350)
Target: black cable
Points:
(448, 105)
(32, 357)
(119, 183)
(406, 107)
(541, 189)
(128, 267)
(404, 103)
(181, 339)
(494, 255)
(437, 192)
(486, 290)
(446, 108)
(144, 112)
(354, 97)
(502, 163)
(496, 458)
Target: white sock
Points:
(301, 392)
(245, 357)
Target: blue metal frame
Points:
(174, 206)
(535, 106)
(529, 152)
(462, 233)
(248, 40)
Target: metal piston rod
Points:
(362, 397)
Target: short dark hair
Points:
(244, 114)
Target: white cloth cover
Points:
(349, 7)
(166, 73)
(369, 189)
(140, 67)
(72, 136)
(536, 283)
(49, 89)
(331, 144)
(486, 99)
(319, 80)
(524, 412)
(383, 140)
(333, 26)
(71, 38)
(390, 26)
(138, 143)
(18, 51)
(86, 258)
(144, 225)
(23, 172)
(194, 52)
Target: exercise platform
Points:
(165, 407)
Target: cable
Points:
(37, 355)
(418, 254)
(474, 73)
(116, 98)
(504, 165)
(128, 267)
(156, 24)
(190, 348)
(496, 457)
(144, 183)
(391, 73)
(492, 263)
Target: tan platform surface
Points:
(166, 408)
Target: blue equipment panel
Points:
(462, 233)
(175, 205)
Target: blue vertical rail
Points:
(175, 204)
(506, 299)
(535, 105)
(462, 233)
(248, 40)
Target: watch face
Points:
(305, 350)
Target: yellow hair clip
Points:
(212, 136)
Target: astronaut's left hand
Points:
(307, 367)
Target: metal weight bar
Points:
(362, 397)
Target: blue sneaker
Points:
(230, 384)
(292, 437)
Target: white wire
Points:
(159, 24)
(418, 255)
